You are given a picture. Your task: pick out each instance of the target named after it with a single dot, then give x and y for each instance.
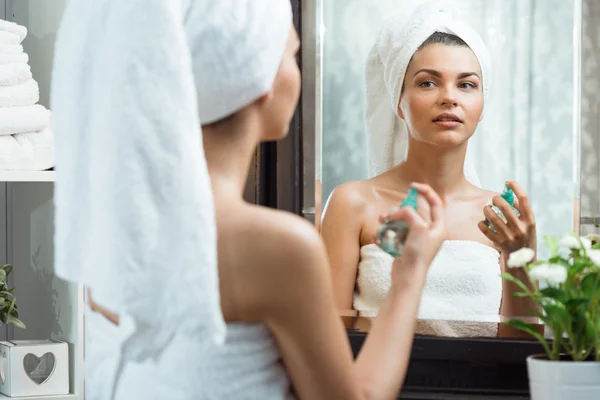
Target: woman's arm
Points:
(341, 230)
(302, 314)
(109, 315)
(518, 232)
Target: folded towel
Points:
(22, 58)
(12, 27)
(9, 38)
(399, 39)
(14, 74)
(23, 119)
(11, 49)
(32, 151)
(25, 94)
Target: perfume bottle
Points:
(509, 196)
(392, 233)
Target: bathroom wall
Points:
(590, 113)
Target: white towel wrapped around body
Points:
(11, 27)
(23, 119)
(9, 38)
(22, 58)
(400, 37)
(25, 94)
(11, 49)
(14, 74)
(31, 151)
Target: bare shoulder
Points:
(349, 197)
(280, 254)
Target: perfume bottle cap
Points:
(508, 195)
(411, 199)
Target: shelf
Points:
(27, 176)
(53, 397)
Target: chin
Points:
(449, 139)
(276, 135)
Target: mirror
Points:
(530, 133)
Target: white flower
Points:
(551, 273)
(587, 242)
(574, 243)
(520, 258)
(594, 255)
(594, 237)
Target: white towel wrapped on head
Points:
(400, 37)
(23, 119)
(14, 74)
(12, 27)
(32, 151)
(11, 49)
(22, 58)
(8, 38)
(25, 94)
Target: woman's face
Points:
(281, 101)
(442, 100)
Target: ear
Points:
(400, 113)
(480, 117)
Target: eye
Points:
(427, 84)
(467, 85)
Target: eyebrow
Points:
(439, 74)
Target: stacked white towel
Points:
(26, 141)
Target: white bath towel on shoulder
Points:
(14, 28)
(32, 151)
(25, 94)
(9, 38)
(22, 58)
(11, 49)
(23, 119)
(14, 74)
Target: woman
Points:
(282, 326)
(427, 79)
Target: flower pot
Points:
(563, 380)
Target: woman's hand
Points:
(426, 232)
(517, 232)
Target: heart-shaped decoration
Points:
(39, 369)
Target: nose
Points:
(448, 97)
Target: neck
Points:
(229, 148)
(440, 168)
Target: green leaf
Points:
(528, 328)
(7, 268)
(552, 242)
(590, 285)
(520, 294)
(510, 278)
(12, 306)
(558, 316)
(554, 293)
(16, 322)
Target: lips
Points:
(447, 120)
(447, 117)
